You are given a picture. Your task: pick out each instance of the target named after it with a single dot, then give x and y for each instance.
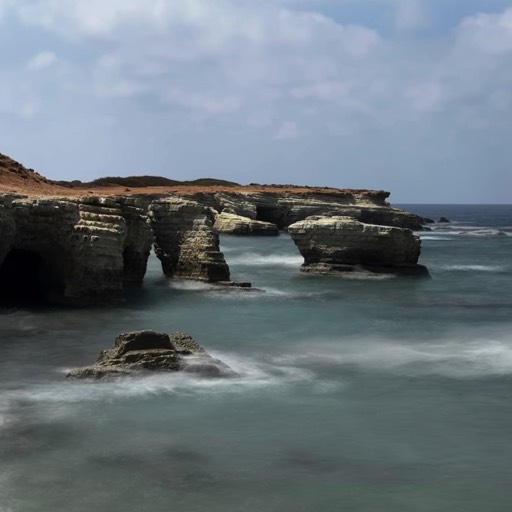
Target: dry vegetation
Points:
(15, 178)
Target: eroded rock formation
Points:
(185, 242)
(62, 243)
(342, 244)
(231, 224)
(285, 208)
(140, 352)
(71, 251)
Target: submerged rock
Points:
(137, 352)
(342, 244)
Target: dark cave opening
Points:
(275, 214)
(23, 279)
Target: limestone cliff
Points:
(185, 242)
(285, 208)
(63, 243)
(342, 244)
(71, 251)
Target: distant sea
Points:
(374, 395)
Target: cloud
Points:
(487, 33)
(235, 74)
(42, 60)
(287, 130)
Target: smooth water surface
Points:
(380, 394)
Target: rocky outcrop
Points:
(342, 244)
(185, 241)
(141, 352)
(285, 208)
(231, 224)
(88, 249)
(68, 251)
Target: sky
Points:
(409, 96)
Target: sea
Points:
(354, 394)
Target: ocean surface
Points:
(367, 395)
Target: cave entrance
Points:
(25, 279)
(275, 214)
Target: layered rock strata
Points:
(88, 249)
(231, 224)
(185, 241)
(285, 208)
(74, 252)
(137, 353)
(342, 244)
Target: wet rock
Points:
(444, 219)
(139, 352)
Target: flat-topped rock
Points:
(342, 244)
(140, 352)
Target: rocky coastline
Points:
(86, 249)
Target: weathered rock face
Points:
(79, 251)
(86, 250)
(138, 240)
(139, 352)
(231, 224)
(342, 244)
(185, 241)
(285, 208)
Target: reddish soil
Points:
(15, 178)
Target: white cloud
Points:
(42, 60)
(260, 70)
(287, 130)
(487, 33)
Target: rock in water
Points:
(342, 244)
(138, 352)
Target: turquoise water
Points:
(354, 395)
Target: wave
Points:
(475, 268)
(451, 358)
(467, 231)
(430, 237)
(252, 259)
(253, 374)
(183, 284)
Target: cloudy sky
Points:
(410, 96)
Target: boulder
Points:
(140, 352)
(342, 244)
(231, 224)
